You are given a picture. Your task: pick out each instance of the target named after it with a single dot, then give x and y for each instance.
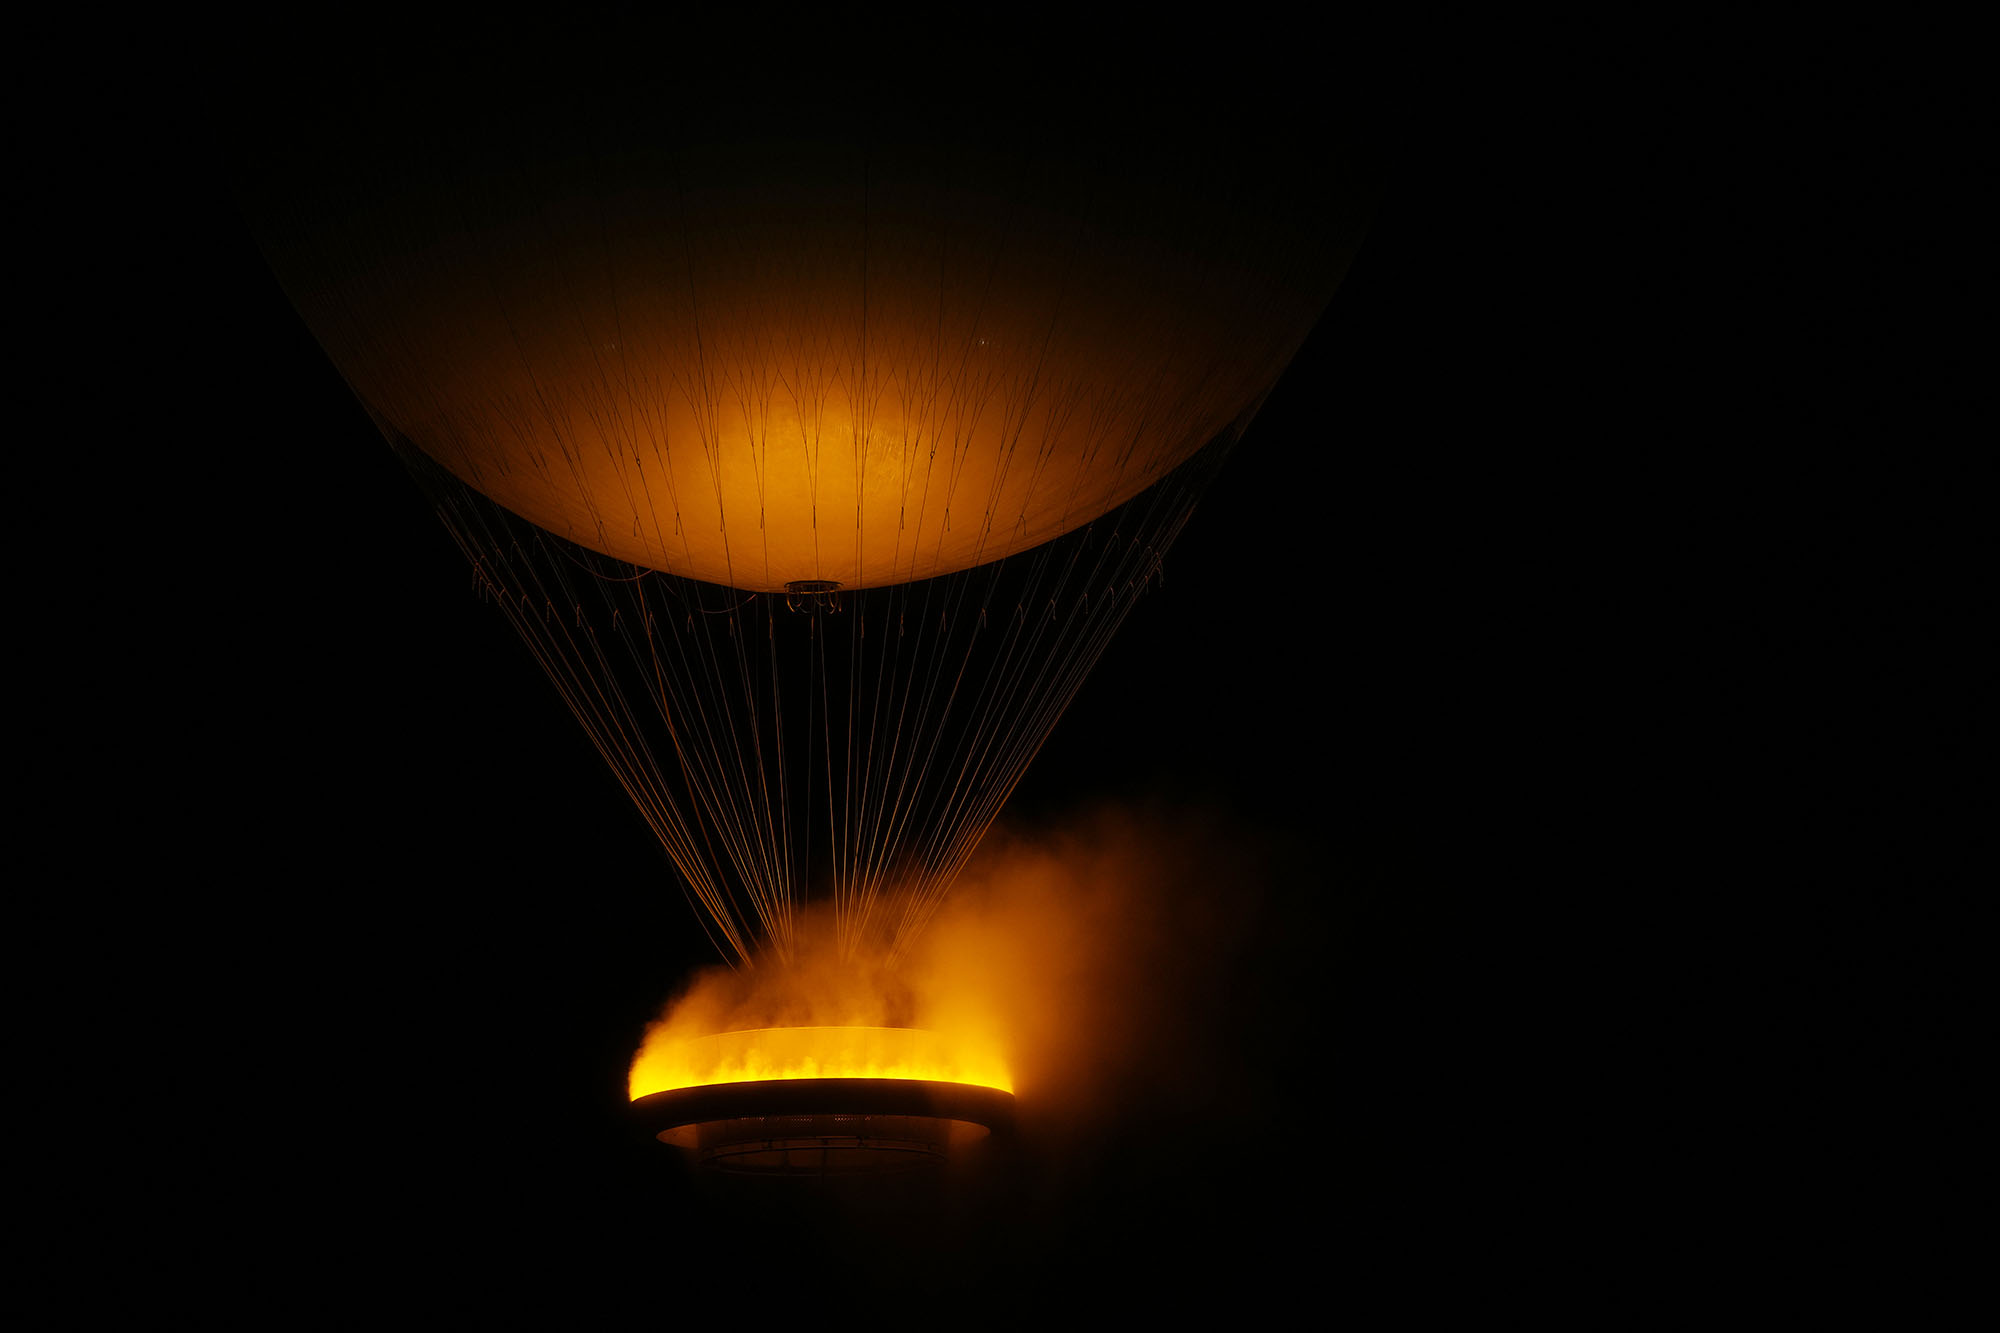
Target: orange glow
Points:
(760, 1054)
(962, 445)
(1073, 968)
(807, 362)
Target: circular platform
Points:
(824, 1126)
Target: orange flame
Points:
(667, 1062)
(1077, 967)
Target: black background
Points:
(1551, 682)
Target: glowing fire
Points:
(758, 1054)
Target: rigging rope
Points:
(911, 741)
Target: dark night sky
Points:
(435, 924)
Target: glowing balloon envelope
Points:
(853, 356)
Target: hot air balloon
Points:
(815, 439)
